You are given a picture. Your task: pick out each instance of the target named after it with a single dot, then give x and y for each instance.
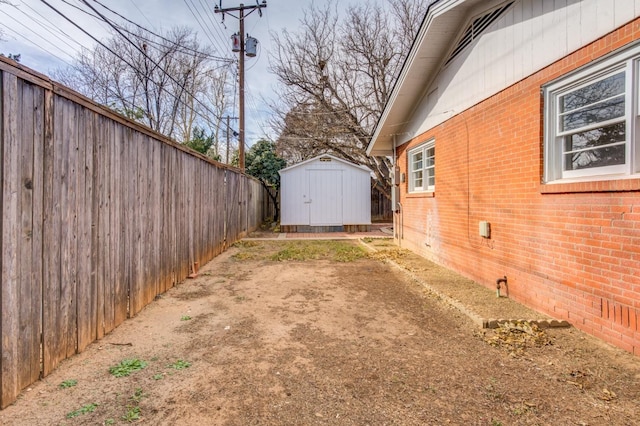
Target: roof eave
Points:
(441, 23)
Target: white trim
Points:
(421, 149)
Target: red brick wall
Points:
(571, 250)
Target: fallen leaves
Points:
(516, 336)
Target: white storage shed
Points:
(325, 194)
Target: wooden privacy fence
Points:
(99, 215)
(380, 206)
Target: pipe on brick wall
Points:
(499, 281)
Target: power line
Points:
(195, 14)
(35, 44)
(131, 65)
(186, 48)
(29, 29)
(217, 33)
(141, 13)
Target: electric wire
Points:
(128, 63)
(218, 34)
(34, 43)
(206, 33)
(185, 48)
(31, 30)
(214, 114)
(141, 13)
(50, 28)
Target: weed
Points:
(126, 367)
(185, 318)
(88, 408)
(68, 383)
(109, 422)
(243, 255)
(297, 252)
(180, 365)
(245, 244)
(137, 395)
(240, 299)
(339, 251)
(496, 422)
(132, 414)
(155, 358)
(157, 377)
(348, 253)
(523, 408)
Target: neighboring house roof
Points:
(333, 158)
(442, 23)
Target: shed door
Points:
(325, 194)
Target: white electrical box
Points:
(485, 229)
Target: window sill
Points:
(427, 194)
(610, 185)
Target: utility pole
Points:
(241, 15)
(228, 136)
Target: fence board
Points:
(84, 304)
(50, 236)
(35, 260)
(99, 221)
(10, 220)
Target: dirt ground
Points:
(322, 333)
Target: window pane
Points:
(596, 137)
(431, 157)
(600, 157)
(417, 179)
(601, 111)
(602, 89)
(431, 178)
(416, 161)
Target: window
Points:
(591, 117)
(422, 167)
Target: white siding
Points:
(527, 37)
(325, 193)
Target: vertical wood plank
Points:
(51, 237)
(99, 238)
(120, 212)
(85, 278)
(28, 282)
(134, 223)
(112, 228)
(69, 235)
(10, 291)
(39, 138)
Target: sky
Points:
(46, 41)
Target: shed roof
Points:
(333, 158)
(442, 23)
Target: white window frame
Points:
(627, 61)
(425, 168)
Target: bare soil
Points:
(338, 337)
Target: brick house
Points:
(515, 129)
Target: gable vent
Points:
(476, 28)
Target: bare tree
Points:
(337, 72)
(164, 81)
